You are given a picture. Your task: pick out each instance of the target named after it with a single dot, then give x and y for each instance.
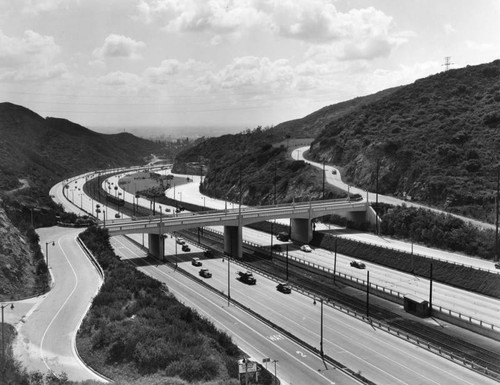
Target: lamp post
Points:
(321, 328)
(47, 251)
(275, 378)
(3, 337)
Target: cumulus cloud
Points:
(219, 16)
(30, 57)
(364, 33)
(119, 46)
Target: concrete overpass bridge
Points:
(301, 215)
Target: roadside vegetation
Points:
(136, 332)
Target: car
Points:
(306, 248)
(497, 265)
(117, 215)
(196, 262)
(277, 248)
(283, 236)
(180, 241)
(186, 248)
(284, 288)
(358, 264)
(334, 172)
(205, 273)
(247, 277)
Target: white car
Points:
(306, 248)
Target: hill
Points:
(437, 140)
(45, 151)
(36, 153)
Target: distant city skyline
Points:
(227, 63)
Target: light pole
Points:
(3, 337)
(275, 378)
(321, 328)
(47, 251)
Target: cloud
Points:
(30, 57)
(119, 78)
(174, 72)
(449, 29)
(34, 7)
(364, 33)
(119, 46)
(217, 16)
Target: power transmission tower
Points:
(447, 63)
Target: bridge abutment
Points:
(233, 241)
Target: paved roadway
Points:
(377, 355)
(48, 324)
(336, 180)
(468, 304)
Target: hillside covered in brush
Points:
(437, 140)
(44, 151)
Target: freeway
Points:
(479, 308)
(378, 356)
(447, 297)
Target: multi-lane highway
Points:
(375, 354)
(289, 319)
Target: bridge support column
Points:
(233, 243)
(301, 230)
(156, 243)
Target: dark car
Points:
(247, 277)
(196, 262)
(497, 265)
(117, 215)
(284, 288)
(358, 264)
(205, 273)
(283, 237)
(186, 248)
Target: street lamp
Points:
(47, 251)
(275, 378)
(321, 328)
(3, 337)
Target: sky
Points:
(234, 64)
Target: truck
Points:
(247, 277)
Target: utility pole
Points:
(368, 294)
(430, 292)
(496, 222)
(447, 63)
(376, 196)
(335, 261)
(323, 180)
